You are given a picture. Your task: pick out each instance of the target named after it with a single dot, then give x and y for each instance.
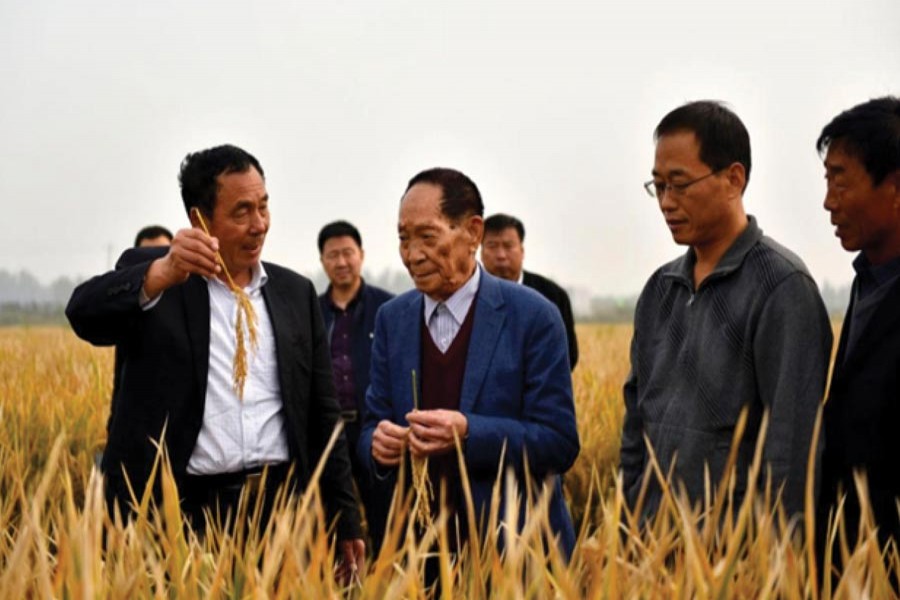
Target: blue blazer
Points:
(517, 390)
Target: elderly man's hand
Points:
(388, 442)
(431, 431)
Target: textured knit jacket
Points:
(755, 334)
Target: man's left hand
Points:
(351, 562)
(431, 431)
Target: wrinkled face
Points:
(502, 253)
(240, 221)
(698, 215)
(865, 217)
(439, 254)
(342, 260)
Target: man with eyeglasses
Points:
(735, 324)
(348, 308)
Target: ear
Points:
(737, 177)
(475, 229)
(362, 255)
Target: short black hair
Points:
(869, 131)
(722, 136)
(199, 171)
(151, 232)
(338, 229)
(500, 222)
(460, 197)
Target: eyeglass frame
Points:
(676, 188)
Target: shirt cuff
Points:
(146, 302)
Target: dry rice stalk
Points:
(421, 482)
(246, 317)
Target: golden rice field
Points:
(58, 542)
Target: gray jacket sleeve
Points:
(792, 350)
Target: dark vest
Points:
(442, 382)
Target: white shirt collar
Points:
(258, 278)
(459, 303)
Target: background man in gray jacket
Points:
(735, 323)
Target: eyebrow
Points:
(672, 173)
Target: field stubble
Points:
(58, 541)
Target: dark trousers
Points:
(375, 494)
(217, 497)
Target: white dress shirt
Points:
(235, 434)
(444, 319)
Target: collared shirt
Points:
(240, 434)
(444, 319)
(872, 283)
(340, 336)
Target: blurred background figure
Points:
(502, 254)
(348, 308)
(153, 235)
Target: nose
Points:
(259, 222)
(411, 253)
(831, 200)
(666, 200)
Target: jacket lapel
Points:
(409, 333)
(275, 299)
(196, 309)
(486, 328)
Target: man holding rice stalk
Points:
(467, 357)
(861, 149)
(735, 324)
(224, 359)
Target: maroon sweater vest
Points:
(442, 381)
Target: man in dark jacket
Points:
(862, 413)
(349, 306)
(502, 254)
(171, 314)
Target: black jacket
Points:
(164, 357)
(862, 419)
(371, 298)
(560, 298)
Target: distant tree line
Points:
(26, 301)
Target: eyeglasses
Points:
(656, 189)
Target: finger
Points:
(391, 429)
(196, 263)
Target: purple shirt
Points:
(342, 354)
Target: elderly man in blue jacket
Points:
(490, 357)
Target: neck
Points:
(342, 296)
(709, 254)
(240, 278)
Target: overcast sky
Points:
(548, 106)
